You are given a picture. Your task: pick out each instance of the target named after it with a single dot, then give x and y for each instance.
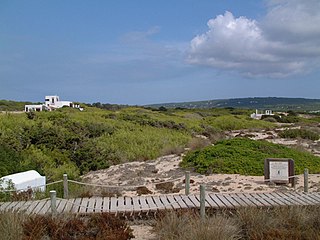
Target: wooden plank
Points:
(69, 205)
(158, 202)
(136, 204)
(99, 206)
(46, 208)
(239, 200)
(180, 200)
(121, 205)
(232, 200)
(76, 205)
(310, 199)
(263, 202)
(11, 206)
(84, 204)
(210, 202)
(272, 199)
(61, 205)
(32, 206)
(143, 203)
(39, 206)
(173, 202)
(114, 204)
(285, 199)
(25, 206)
(225, 201)
(314, 196)
(251, 201)
(4, 206)
(166, 203)
(298, 198)
(217, 200)
(128, 204)
(275, 196)
(91, 205)
(151, 203)
(194, 200)
(106, 204)
(188, 202)
(19, 205)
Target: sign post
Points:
(279, 170)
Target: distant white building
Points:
(51, 103)
(24, 180)
(258, 115)
(34, 108)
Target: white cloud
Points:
(285, 42)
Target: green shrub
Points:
(246, 156)
(299, 133)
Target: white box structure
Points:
(24, 180)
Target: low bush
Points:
(299, 133)
(246, 156)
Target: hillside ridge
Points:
(275, 103)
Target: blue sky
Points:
(147, 51)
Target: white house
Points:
(258, 115)
(34, 108)
(24, 180)
(51, 103)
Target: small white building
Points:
(51, 103)
(34, 108)
(24, 180)
(258, 115)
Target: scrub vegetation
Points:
(245, 223)
(245, 156)
(73, 142)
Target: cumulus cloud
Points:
(285, 42)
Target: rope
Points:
(122, 186)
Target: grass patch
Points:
(246, 223)
(16, 226)
(299, 133)
(245, 156)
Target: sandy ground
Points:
(164, 175)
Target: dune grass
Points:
(296, 222)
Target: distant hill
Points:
(274, 103)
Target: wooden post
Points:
(202, 202)
(65, 186)
(53, 198)
(293, 182)
(187, 183)
(305, 177)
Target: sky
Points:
(147, 51)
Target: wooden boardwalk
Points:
(151, 204)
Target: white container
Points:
(24, 180)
